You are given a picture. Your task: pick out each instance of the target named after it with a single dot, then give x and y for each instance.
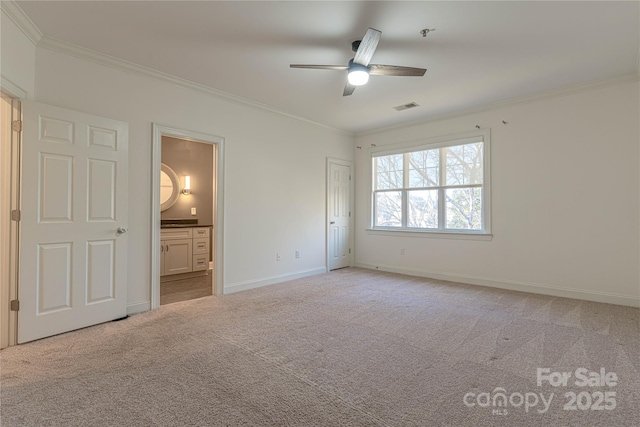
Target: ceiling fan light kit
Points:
(359, 69)
(358, 74)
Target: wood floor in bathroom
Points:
(186, 289)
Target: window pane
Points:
(464, 164)
(424, 168)
(388, 170)
(464, 208)
(389, 209)
(423, 209)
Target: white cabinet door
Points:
(178, 256)
(73, 246)
(339, 215)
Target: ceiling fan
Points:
(359, 68)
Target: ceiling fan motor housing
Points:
(357, 67)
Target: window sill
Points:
(456, 235)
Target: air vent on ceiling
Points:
(406, 106)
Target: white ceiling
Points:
(481, 52)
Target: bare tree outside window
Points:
(432, 189)
(464, 165)
(389, 176)
(389, 212)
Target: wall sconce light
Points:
(187, 185)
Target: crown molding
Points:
(586, 87)
(12, 88)
(90, 55)
(11, 9)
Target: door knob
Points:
(121, 230)
(332, 222)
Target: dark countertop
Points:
(184, 225)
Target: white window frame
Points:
(483, 135)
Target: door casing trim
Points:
(11, 194)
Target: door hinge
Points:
(349, 177)
(15, 215)
(15, 305)
(349, 250)
(349, 214)
(17, 125)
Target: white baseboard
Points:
(138, 307)
(535, 288)
(252, 284)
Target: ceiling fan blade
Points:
(348, 89)
(367, 47)
(321, 67)
(395, 70)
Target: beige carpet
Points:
(349, 348)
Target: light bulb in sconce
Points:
(187, 185)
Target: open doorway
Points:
(187, 220)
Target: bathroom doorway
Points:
(187, 216)
(186, 220)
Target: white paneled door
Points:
(73, 246)
(339, 215)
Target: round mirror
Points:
(169, 187)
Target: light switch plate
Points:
(193, 211)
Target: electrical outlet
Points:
(402, 251)
(193, 211)
(277, 257)
(297, 254)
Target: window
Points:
(440, 187)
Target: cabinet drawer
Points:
(201, 246)
(175, 233)
(200, 232)
(200, 262)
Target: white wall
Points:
(17, 55)
(274, 167)
(565, 206)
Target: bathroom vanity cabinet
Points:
(184, 250)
